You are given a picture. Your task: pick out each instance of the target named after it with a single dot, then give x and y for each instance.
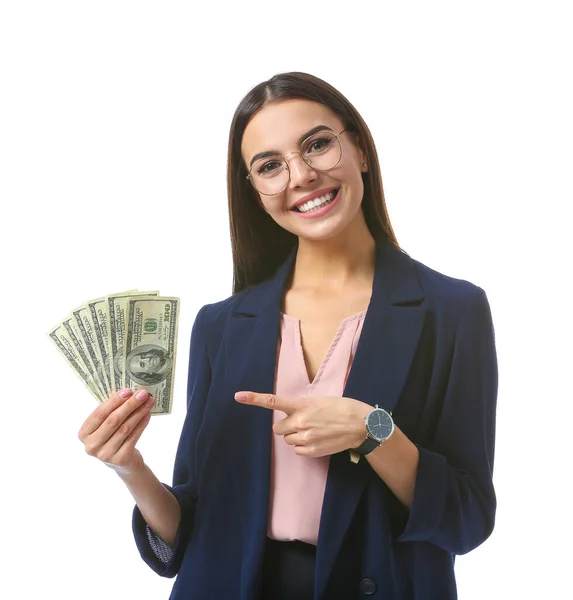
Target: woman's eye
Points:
(319, 145)
(269, 168)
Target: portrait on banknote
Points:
(148, 364)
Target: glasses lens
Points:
(322, 150)
(269, 175)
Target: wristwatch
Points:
(379, 427)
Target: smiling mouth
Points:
(317, 203)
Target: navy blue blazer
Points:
(426, 353)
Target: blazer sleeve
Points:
(454, 500)
(163, 560)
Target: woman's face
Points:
(280, 127)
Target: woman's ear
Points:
(361, 153)
(363, 162)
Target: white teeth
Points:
(317, 202)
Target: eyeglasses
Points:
(321, 151)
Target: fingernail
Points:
(141, 395)
(126, 393)
(241, 396)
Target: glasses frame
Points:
(284, 159)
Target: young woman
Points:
(339, 436)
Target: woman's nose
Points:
(301, 173)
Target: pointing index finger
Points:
(271, 401)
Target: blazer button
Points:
(368, 587)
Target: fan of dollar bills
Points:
(125, 340)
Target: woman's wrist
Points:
(359, 423)
(131, 475)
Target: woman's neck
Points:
(336, 263)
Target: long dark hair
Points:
(260, 245)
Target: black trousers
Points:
(288, 572)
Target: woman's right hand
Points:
(112, 430)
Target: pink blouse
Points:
(298, 482)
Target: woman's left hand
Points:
(315, 426)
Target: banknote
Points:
(116, 306)
(98, 316)
(86, 329)
(67, 348)
(75, 337)
(150, 344)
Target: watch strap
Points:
(367, 446)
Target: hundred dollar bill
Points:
(86, 330)
(66, 347)
(150, 348)
(116, 305)
(74, 335)
(99, 319)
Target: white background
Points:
(114, 120)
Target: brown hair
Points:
(259, 245)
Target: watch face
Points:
(380, 424)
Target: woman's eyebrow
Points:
(303, 137)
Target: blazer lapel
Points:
(387, 344)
